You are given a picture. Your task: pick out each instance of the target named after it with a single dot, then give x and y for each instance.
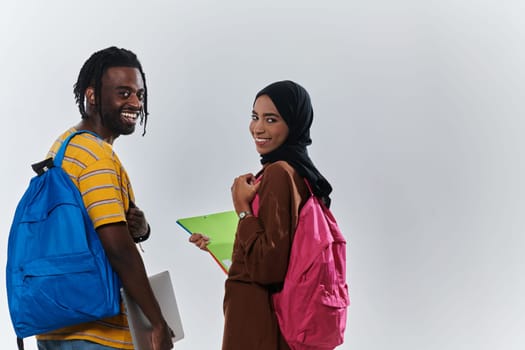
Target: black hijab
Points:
(293, 103)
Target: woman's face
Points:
(268, 128)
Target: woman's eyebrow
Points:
(271, 115)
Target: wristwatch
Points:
(144, 237)
(244, 214)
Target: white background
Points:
(418, 125)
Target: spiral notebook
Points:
(221, 228)
(139, 325)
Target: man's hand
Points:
(137, 224)
(162, 337)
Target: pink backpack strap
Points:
(309, 187)
(255, 201)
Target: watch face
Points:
(243, 214)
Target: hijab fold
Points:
(294, 106)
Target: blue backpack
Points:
(57, 272)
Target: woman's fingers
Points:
(200, 240)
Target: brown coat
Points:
(260, 260)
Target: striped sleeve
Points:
(100, 186)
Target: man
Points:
(111, 95)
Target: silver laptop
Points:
(139, 325)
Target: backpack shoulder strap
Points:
(62, 150)
(20, 343)
(309, 187)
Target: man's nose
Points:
(135, 101)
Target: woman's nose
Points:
(258, 127)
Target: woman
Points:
(281, 119)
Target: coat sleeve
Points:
(266, 240)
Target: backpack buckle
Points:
(43, 166)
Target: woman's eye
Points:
(270, 120)
(254, 117)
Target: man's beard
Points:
(113, 121)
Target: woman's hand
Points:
(244, 189)
(200, 240)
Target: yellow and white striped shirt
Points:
(106, 191)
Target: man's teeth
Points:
(130, 115)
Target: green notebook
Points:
(220, 227)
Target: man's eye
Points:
(140, 97)
(125, 94)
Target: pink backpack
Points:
(311, 308)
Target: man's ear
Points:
(90, 95)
